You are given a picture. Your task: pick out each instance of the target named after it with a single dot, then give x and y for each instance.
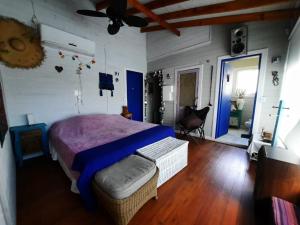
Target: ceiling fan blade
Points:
(135, 21)
(91, 13)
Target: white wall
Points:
(289, 127)
(49, 95)
(162, 44)
(261, 35)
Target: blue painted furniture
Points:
(238, 115)
(17, 131)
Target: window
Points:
(247, 80)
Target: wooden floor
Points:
(215, 189)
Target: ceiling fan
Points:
(116, 12)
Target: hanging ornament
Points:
(59, 69)
(61, 54)
(81, 65)
(34, 19)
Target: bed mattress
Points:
(74, 135)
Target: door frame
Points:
(125, 88)
(259, 94)
(198, 67)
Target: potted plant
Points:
(240, 102)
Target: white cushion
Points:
(124, 178)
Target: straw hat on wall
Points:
(20, 45)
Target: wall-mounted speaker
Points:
(239, 41)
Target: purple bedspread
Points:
(80, 133)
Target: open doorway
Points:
(237, 99)
(188, 86)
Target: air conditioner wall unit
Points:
(59, 39)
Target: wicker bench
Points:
(170, 156)
(123, 188)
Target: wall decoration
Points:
(20, 45)
(78, 93)
(59, 69)
(3, 120)
(106, 83)
(275, 79)
(276, 59)
(81, 65)
(117, 74)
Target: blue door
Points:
(135, 94)
(224, 106)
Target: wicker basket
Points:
(170, 156)
(122, 210)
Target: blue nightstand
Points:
(26, 137)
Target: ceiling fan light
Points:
(113, 28)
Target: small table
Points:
(170, 156)
(19, 134)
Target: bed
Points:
(86, 144)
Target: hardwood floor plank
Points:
(214, 189)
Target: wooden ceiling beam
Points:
(218, 8)
(156, 18)
(261, 16)
(155, 5)
(102, 5)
